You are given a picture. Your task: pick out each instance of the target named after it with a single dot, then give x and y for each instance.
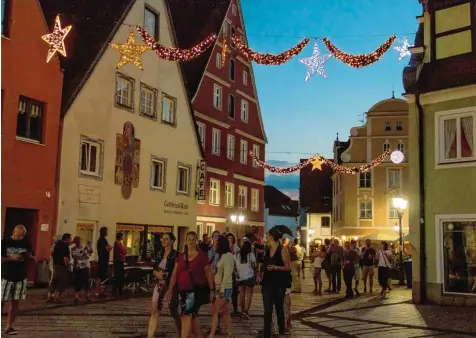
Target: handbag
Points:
(202, 293)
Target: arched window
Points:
(232, 70)
(231, 106)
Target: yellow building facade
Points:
(362, 204)
(130, 150)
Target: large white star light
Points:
(315, 63)
(403, 49)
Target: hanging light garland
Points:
(362, 60)
(269, 59)
(317, 160)
(176, 54)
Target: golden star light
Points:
(130, 52)
(56, 39)
(317, 163)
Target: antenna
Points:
(362, 120)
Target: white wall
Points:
(314, 222)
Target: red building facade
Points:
(31, 101)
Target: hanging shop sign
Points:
(201, 180)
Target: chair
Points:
(135, 279)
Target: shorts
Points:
(357, 273)
(13, 290)
(103, 271)
(189, 304)
(81, 279)
(226, 294)
(158, 299)
(249, 283)
(368, 270)
(61, 279)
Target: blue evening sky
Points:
(304, 117)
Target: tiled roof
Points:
(315, 189)
(94, 24)
(193, 21)
(279, 203)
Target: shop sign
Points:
(159, 229)
(130, 227)
(201, 180)
(89, 194)
(85, 226)
(45, 227)
(177, 208)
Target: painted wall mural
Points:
(127, 165)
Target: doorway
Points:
(27, 217)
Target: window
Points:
(30, 119)
(365, 180)
(234, 10)
(256, 153)
(216, 140)
(200, 230)
(233, 32)
(325, 221)
(151, 23)
(124, 92)
(230, 147)
(392, 211)
(217, 96)
(244, 110)
(229, 195)
(225, 29)
(90, 156)
(210, 229)
(400, 146)
(459, 255)
(169, 107)
(457, 137)
(254, 200)
(157, 173)
(201, 133)
(183, 179)
(388, 126)
(245, 77)
(386, 146)
(214, 198)
(394, 178)
(5, 17)
(399, 125)
(366, 210)
(148, 99)
(218, 61)
(231, 106)
(242, 196)
(243, 151)
(232, 70)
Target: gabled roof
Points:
(315, 189)
(278, 203)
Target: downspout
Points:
(57, 174)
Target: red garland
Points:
(269, 59)
(176, 54)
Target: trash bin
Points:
(408, 273)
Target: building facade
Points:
(362, 204)
(118, 166)
(31, 101)
(225, 103)
(279, 209)
(440, 85)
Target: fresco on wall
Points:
(127, 166)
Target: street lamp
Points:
(237, 218)
(400, 205)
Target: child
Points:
(319, 257)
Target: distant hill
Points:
(288, 184)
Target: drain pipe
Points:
(421, 163)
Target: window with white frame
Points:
(400, 146)
(157, 173)
(230, 147)
(365, 209)
(242, 196)
(124, 91)
(386, 146)
(148, 99)
(457, 137)
(459, 257)
(243, 151)
(200, 230)
(245, 77)
(244, 110)
(183, 179)
(394, 178)
(169, 108)
(254, 199)
(234, 10)
(151, 22)
(256, 153)
(210, 229)
(214, 198)
(325, 222)
(216, 140)
(392, 211)
(201, 132)
(30, 118)
(229, 194)
(231, 106)
(225, 29)
(90, 156)
(218, 60)
(217, 96)
(365, 180)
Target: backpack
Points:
(336, 259)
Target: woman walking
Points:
(245, 271)
(163, 270)
(223, 287)
(384, 257)
(194, 282)
(319, 256)
(234, 249)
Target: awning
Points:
(379, 236)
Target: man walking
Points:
(336, 254)
(16, 251)
(61, 273)
(357, 269)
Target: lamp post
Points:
(400, 205)
(237, 219)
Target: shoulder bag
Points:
(202, 293)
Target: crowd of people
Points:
(219, 269)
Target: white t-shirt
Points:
(385, 261)
(245, 270)
(318, 262)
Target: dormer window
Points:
(399, 125)
(388, 126)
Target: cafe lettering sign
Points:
(201, 180)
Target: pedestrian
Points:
(245, 272)
(61, 272)
(56, 239)
(119, 259)
(350, 259)
(368, 256)
(296, 256)
(276, 279)
(234, 249)
(213, 257)
(163, 270)
(336, 254)
(80, 254)
(357, 268)
(384, 257)
(223, 286)
(318, 257)
(16, 252)
(303, 262)
(326, 264)
(103, 249)
(194, 281)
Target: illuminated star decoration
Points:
(316, 163)
(130, 52)
(315, 63)
(403, 49)
(56, 39)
